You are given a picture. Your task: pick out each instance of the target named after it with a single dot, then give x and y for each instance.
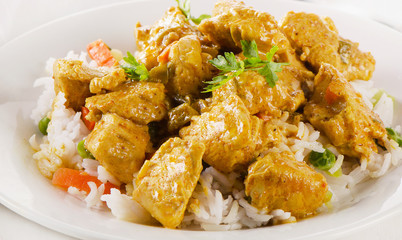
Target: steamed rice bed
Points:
(219, 200)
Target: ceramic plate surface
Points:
(26, 192)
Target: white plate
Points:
(26, 192)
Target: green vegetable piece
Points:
(231, 67)
(200, 18)
(395, 136)
(43, 124)
(83, 152)
(133, 69)
(323, 161)
(338, 173)
(184, 7)
(328, 196)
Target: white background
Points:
(19, 16)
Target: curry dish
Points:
(228, 92)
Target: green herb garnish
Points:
(184, 6)
(231, 67)
(395, 136)
(323, 161)
(133, 69)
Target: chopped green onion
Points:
(43, 124)
(83, 152)
(323, 161)
(200, 18)
(338, 173)
(378, 96)
(328, 196)
(395, 136)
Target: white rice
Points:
(90, 166)
(337, 165)
(105, 176)
(65, 130)
(125, 208)
(94, 197)
(218, 202)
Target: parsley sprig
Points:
(231, 67)
(184, 6)
(133, 69)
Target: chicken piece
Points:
(72, 78)
(340, 112)
(152, 40)
(271, 133)
(258, 96)
(188, 67)
(119, 145)
(228, 133)
(279, 181)
(233, 21)
(108, 82)
(166, 182)
(318, 41)
(141, 102)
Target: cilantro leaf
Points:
(221, 80)
(231, 67)
(133, 69)
(216, 83)
(249, 49)
(270, 77)
(226, 63)
(271, 53)
(184, 6)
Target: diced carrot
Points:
(100, 52)
(330, 96)
(67, 177)
(263, 116)
(164, 56)
(90, 124)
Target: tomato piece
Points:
(100, 53)
(90, 124)
(67, 177)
